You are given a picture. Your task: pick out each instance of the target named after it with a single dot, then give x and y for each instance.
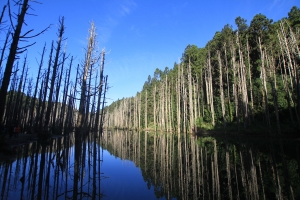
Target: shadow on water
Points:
(184, 167)
(58, 170)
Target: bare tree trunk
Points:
(178, 101)
(184, 102)
(55, 67)
(9, 112)
(210, 90)
(32, 106)
(18, 102)
(221, 89)
(100, 89)
(184, 109)
(11, 57)
(41, 114)
(135, 112)
(27, 104)
(88, 99)
(129, 114)
(290, 49)
(250, 76)
(3, 51)
(234, 85)
(22, 106)
(154, 108)
(103, 102)
(274, 90)
(243, 84)
(166, 104)
(40, 104)
(228, 85)
(2, 13)
(56, 119)
(139, 111)
(65, 92)
(191, 113)
(196, 100)
(264, 82)
(146, 108)
(88, 62)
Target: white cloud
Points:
(276, 3)
(124, 10)
(113, 18)
(104, 34)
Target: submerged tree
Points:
(54, 70)
(91, 60)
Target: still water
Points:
(139, 165)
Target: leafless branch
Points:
(27, 46)
(26, 33)
(20, 52)
(35, 34)
(10, 15)
(36, 2)
(32, 14)
(3, 10)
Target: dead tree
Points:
(103, 102)
(35, 90)
(90, 59)
(44, 95)
(100, 90)
(65, 92)
(15, 50)
(55, 67)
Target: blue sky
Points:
(140, 35)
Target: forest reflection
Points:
(60, 169)
(176, 166)
(184, 167)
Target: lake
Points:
(138, 165)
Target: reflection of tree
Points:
(46, 171)
(210, 168)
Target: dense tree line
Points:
(242, 80)
(52, 102)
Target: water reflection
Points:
(49, 171)
(169, 166)
(181, 167)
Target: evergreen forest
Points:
(245, 80)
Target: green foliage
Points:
(199, 122)
(207, 116)
(241, 24)
(205, 122)
(294, 17)
(239, 50)
(196, 57)
(259, 25)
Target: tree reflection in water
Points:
(48, 171)
(173, 166)
(183, 167)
